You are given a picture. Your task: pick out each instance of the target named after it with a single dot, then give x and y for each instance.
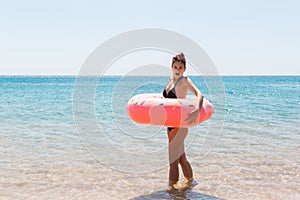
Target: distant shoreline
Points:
(234, 75)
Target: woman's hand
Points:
(193, 116)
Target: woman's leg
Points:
(173, 173)
(185, 165)
(176, 155)
(186, 168)
(173, 159)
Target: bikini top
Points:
(172, 93)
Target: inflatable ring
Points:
(154, 109)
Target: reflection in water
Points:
(176, 195)
(183, 192)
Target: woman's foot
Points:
(173, 186)
(189, 183)
(188, 179)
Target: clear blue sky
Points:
(241, 37)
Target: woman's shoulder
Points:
(188, 81)
(185, 79)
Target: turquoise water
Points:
(62, 138)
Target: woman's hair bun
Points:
(179, 58)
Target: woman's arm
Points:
(196, 92)
(194, 114)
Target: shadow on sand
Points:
(176, 195)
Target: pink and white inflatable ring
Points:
(154, 109)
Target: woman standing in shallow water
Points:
(178, 88)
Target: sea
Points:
(68, 137)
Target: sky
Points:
(242, 37)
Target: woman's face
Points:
(178, 69)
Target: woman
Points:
(178, 88)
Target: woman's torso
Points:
(176, 90)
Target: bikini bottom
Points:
(170, 128)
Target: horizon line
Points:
(120, 75)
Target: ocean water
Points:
(71, 138)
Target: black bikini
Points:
(171, 94)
